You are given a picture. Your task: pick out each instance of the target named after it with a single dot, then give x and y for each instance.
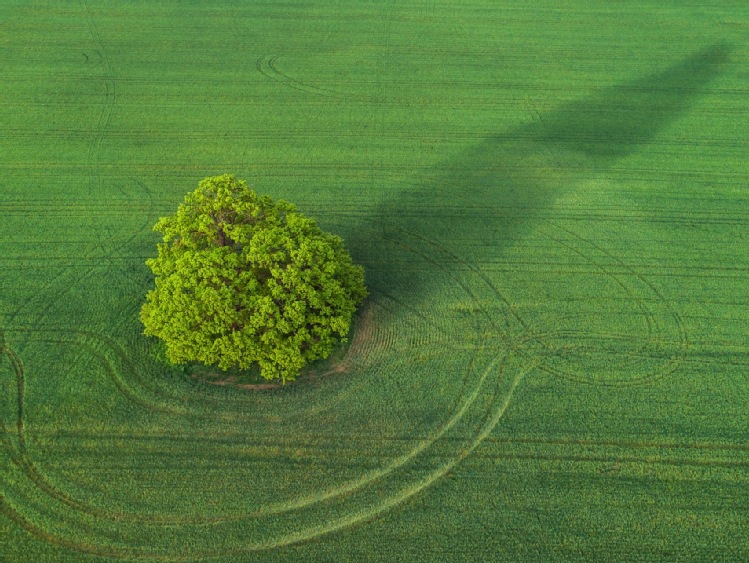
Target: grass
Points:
(551, 206)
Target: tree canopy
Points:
(242, 279)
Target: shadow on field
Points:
(490, 194)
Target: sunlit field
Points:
(551, 204)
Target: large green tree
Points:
(242, 279)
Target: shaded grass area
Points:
(550, 205)
(502, 184)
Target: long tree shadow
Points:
(496, 189)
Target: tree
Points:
(242, 279)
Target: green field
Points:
(551, 204)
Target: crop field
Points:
(551, 204)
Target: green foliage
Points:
(243, 279)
